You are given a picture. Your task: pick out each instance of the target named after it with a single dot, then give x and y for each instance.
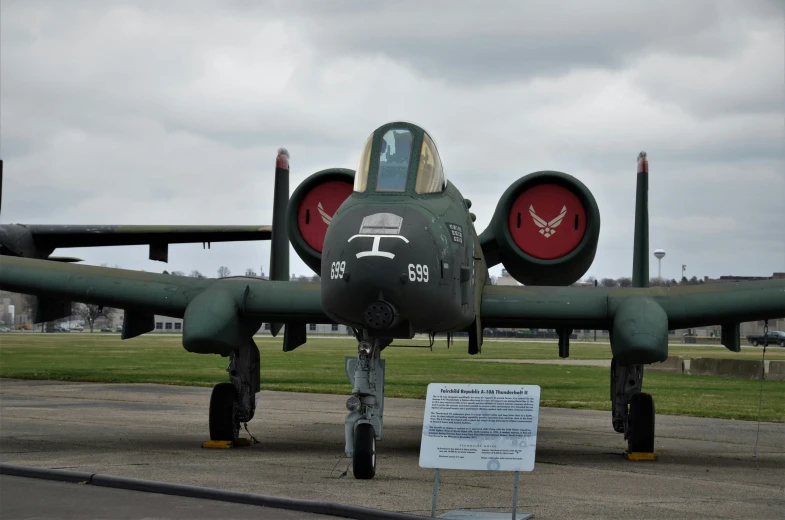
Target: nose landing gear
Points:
(363, 423)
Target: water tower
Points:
(659, 254)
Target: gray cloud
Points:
(152, 112)
(511, 41)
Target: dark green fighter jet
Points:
(40, 241)
(398, 255)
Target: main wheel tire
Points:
(223, 413)
(641, 423)
(754, 342)
(364, 461)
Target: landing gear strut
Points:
(363, 423)
(633, 410)
(234, 403)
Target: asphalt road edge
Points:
(181, 490)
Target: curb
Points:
(60, 475)
(165, 488)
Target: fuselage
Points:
(398, 262)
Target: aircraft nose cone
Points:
(379, 315)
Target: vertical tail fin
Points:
(279, 248)
(640, 247)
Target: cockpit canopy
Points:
(397, 158)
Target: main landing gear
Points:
(363, 423)
(234, 403)
(633, 410)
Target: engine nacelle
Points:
(311, 209)
(544, 230)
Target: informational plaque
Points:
(480, 427)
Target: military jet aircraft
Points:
(395, 245)
(39, 241)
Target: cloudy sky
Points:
(171, 113)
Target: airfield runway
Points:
(706, 467)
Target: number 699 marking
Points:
(418, 273)
(337, 269)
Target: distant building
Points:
(506, 279)
(165, 324)
(314, 329)
(6, 312)
(731, 278)
(583, 284)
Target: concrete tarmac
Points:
(705, 469)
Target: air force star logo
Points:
(547, 228)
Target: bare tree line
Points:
(626, 281)
(224, 272)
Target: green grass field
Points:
(318, 367)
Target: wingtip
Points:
(282, 160)
(643, 163)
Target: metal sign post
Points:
(478, 515)
(480, 427)
(435, 493)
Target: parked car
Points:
(106, 329)
(775, 337)
(5, 329)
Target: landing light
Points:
(353, 403)
(364, 348)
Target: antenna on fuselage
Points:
(279, 248)
(640, 245)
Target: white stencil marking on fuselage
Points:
(379, 226)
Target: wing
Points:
(537, 220)
(88, 236)
(595, 307)
(638, 318)
(219, 315)
(50, 237)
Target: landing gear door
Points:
(453, 255)
(350, 364)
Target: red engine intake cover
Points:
(547, 221)
(317, 209)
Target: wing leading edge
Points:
(637, 318)
(219, 314)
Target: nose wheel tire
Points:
(640, 438)
(364, 461)
(224, 425)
